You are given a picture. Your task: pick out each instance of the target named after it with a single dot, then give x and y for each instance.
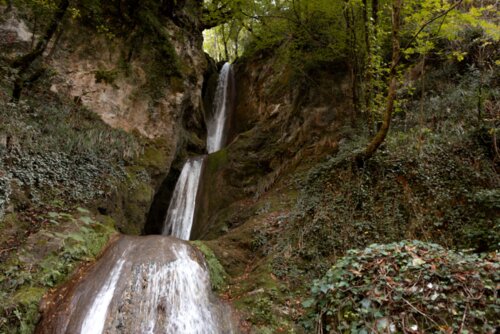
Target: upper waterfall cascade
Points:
(217, 124)
(152, 284)
(181, 211)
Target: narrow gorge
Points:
(152, 284)
(253, 167)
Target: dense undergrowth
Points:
(57, 158)
(435, 179)
(218, 275)
(437, 182)
(64, 240)
(410, 286)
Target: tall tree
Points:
(391, 95)
(25, 62)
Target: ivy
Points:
(408, 286)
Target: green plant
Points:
(218, 274)
(407, 286)
(106, 76)
(23, 281)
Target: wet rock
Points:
(148, 284)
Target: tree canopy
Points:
(375, 40)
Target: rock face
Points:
(132, 93)
(133, 86)
(142, 72)
(120, 77)
(277, 123)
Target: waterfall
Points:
(182, 288)
(144, 285)
(216, 126)
(151, 284)
(180, 213)
(95, 318)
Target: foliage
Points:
(39, 124)
(218, 274)
(437, 184)
(5, 192)
(106, 76)
(309, 35)
(71, 239)
(63, 148)
(408, 286)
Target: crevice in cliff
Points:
(159, 207)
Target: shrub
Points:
(410, 287)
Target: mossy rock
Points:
(218, 275)
(28, 295)
(155, 156)
(141, 193)
(47, 258)
(213, 194)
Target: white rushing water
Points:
(96, 316)
(158, 285)
(180, 214)
(177, 296)
(216, 126)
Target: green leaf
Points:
(86, 220)
(76, 237)
(82, 210)
(308, 303)
(418, 262)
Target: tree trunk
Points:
(375, 12)
(368, 68)
(353, 60)
(9, 7)
(225, 39)
(25, 62)
(391, 95)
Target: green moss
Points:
(142, 193)
(134, 218)
(263, 298)
(155, 156)
(218, 274)
(106, 76)
(107, 221)
(166, 62)
(136, 195)
(45, 261)
(216, 160)
(28, 295)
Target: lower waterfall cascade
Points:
(180, 213)
(152, 284)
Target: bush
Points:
(411, 287)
